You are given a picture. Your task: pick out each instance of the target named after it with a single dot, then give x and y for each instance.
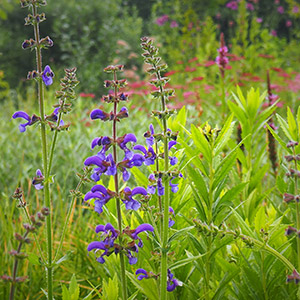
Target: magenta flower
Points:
(173, 24)
(47, 76)
(295, 9)
(232, 5)
(162, 20)
(288, 23)
(280, 9)
(259, 20)
(250, 6)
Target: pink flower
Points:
(173, 24)
(274, 32)
(259, 20)
(295, 9)
(250, 6)
(280, 9)
(232, 5)
(162, 20)
(288, 23)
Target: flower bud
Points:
(45, 211)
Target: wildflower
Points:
(162, 20)
(172, 282)
(100, 114)
(149, 154)
(102, 195)
(232, 5)
(280, 9)
(173, 24)
(294, 276)
(127, 194)
(134, 233)
(295, 9)
(143, 272)
(250, 6)
(288, 23)
(24, 115)
(38, 180)
(123, 141)
(47, 76)
(259, 20)
(149, 136)
(274, 32)
(222, 60)
(171, 212)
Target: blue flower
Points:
(127, 194)
(38, 180)
(149, 136)
(136, 161)
(171, 212)
(24, 115)
(134, 233)
(102, 195)
(105, 165)
(143, 272)
(172, 282)
(100, 114)
(47, 76)
(149, 154)
(123, 141)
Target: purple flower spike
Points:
(143, 272)
(171, 144)
(132, 260)
(122, 142)
(47, 76)
(24, 115)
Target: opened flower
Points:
(38, 180)
(127, 197)
(24, 115)
(47, 76)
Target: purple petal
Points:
(151, 189)
(151, 177)
(141, 228)
(137, 160)
(140, 148)
(139, 190)
(171, 210)
(132, 204)
(173, 160)
(130, 137)
(126, 175)
(39, 173)
(171, 223)
(38, 186)
(132, 260)
(150, 141)
(98, 206)
(93, 160)
(96, 245)
(171, 144)
(99, 228)
(95, 142)
(21, 114)
(91, 195)
(101, 260)
(171, 285)
(143, 273)
(151, 129)
(98, 114)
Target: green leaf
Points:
(185, 261)
(242, 224)
(179, 233)
(278, 139)
(224, 135)
(201, 142)
(65, 293)
(110, 288)
(292, 125)
(260, 219)
(64, 258)
(141, 178)
(284, 126)
(34, 259)
(74, 288)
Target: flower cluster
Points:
(222, 59)
(108, 243)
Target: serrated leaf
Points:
(284, 126)
(260, 219)
(74, 288)
(201, 142)
(65, 293)
(292, 124)
(110, 288)
(64, 258)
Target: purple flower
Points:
(106, 166)
(109, 235)
(102, 195)
(171, 212)
(259, 20)
(127, 194)
(134, 233)
(162, 20)
(173, 24)
(149, 154)
(47, 76)
(149, 136)
(123, 141)
(143, 272)
(295, 9)
(232, 5)
(136, 161)
(172, 282)
(100, 114)
(24, 115)
(250, 6)
(38, 180)
(280, 9)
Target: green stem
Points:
(264, 282)
(159, 197)
(45, 158)
(166, 204)
(297, 212)
(66, 223)
(118, 204)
